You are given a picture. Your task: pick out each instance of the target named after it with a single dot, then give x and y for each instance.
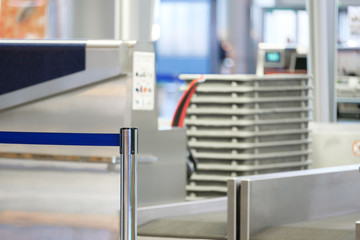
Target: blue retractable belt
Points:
(71, 139)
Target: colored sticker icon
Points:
(356, 148)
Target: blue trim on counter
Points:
(26, 64)
(70, 139)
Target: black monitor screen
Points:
(301, 63)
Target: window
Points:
(286, 26)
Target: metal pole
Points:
(323, 57)
(128, 184)
(357, 230)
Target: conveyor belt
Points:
(213, 226)
(203, 226)
(334, 228)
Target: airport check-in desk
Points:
(80, 86)
(71, 200)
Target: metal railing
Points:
(127, 140)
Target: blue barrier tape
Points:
(71, 139)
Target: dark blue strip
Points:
(26, 64)
(72, 139)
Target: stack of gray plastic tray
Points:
(240, 125)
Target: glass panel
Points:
(185, 28)
(184, 43)
(280, 26)
(183, 47)
(303, 28)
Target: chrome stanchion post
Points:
(128, 183)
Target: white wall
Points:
(332, 144)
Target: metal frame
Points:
(111, 65)
(127, 141)
(262, 201)
(104, 88)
